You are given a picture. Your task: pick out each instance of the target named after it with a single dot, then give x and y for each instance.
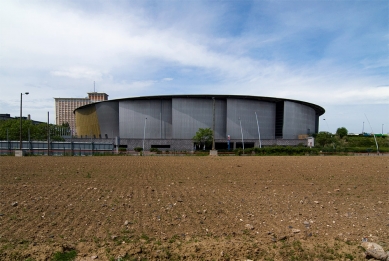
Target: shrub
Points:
(238, 152)
(286, 150)
(248, 150)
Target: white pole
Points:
(20, 142)
(372, 133)
(241, 131)
(259, 134)
(21, 101)
(213, 123)
(144, 137)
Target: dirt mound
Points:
(220, 208)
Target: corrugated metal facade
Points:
(156, 114)
(244, 110)
(180, 117)
(87, 123)
(190, 114)
(108, 116)
(298, 118)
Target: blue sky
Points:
(333, 53)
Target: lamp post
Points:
(382, 129)
(328, 128)
(21, 102)
(213, 123)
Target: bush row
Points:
(299, 151)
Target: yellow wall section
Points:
(87, 123)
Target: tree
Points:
(341, 132)
(323, 138)
(11, 129)
(203, 137)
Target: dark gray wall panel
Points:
(133, 115)
(245, 110)
(108, 117)
(220, 119)
(166, 119)
(190, 114)
(298, 118)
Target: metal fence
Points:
(70, 148)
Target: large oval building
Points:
(171, 121)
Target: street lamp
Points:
(21, 102)
(213, 123)
(328, 128)
(382, 129)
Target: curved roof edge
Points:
(318, 109)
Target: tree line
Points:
(340, 140)
(325, 141)
(10, 130)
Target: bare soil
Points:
(193, 208)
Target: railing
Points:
(56, 148)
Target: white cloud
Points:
(128, 89)
(78, 73)
(56, 49)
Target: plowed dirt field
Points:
(192, 208)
